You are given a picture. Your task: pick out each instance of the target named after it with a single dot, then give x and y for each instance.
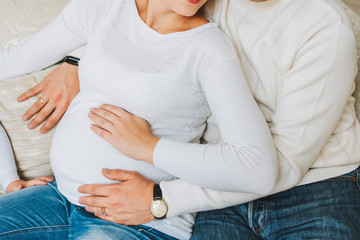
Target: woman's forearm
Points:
(8, 171)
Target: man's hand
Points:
(57, 90)
(20, 184)
(127, 202)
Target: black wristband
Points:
(71, 60)
(157, 192)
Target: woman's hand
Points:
(57, 90)
(20, 184)
(129, 134)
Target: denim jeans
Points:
(326, 210)
(42, 213)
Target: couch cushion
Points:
(354, 5)
(31, 149)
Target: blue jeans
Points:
(43, 213)
(326, 210)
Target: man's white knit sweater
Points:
(300, 61)
(174, 81)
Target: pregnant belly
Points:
(78, 155)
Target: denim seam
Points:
(251, 214)
(262, 228)
(34, 229)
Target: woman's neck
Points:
(158, 16)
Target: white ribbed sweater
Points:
(170, 80)
(299, 57)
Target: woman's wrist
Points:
(8, 177)
(13, 186)
(150, 148)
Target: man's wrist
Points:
(71, 60)
(158, 206)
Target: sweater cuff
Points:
(178, 199)
(160, 154)
(8, 176)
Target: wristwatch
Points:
(71, 60)
(158, 206)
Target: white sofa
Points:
(18, 20)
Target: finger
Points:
(93, 201)
(29, 93)
(97, 210)
(53, 119)
(45, 178)
(116, 110)
(110, 116)
(41, 116)
(34, 182)
(36, 107)
(101, 132)
(94, 189)
(100, 121)
(108, 218)
(117, 174)
(124, 219)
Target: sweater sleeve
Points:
(308, 109)
(8, 171)
(312, 101)
(71, 29)
(246, 160)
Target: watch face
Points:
(158, 208)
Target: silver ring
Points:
(41, 100)
(102, 210)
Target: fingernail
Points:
(107, 171)
(90, 114)
(42, 131)
(30, 126)
(25, 118)
(92, 109)
(19, 99)
(18, 186)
